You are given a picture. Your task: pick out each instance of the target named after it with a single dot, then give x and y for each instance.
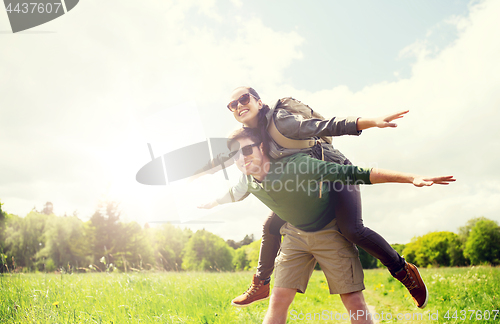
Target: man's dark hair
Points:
(245, 132)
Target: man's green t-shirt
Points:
(292, 188)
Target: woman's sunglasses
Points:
(245, 150)
(243, 99)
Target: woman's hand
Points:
(380, 122)
(209, 205)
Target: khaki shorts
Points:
(337, 257)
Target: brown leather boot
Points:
(257, 291)
(410, 277)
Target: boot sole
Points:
(255, 301)
(426, 291)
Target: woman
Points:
(248, 109)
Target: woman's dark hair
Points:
(261, 121)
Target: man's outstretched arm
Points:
(384, 176)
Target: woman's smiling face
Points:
(246, 114)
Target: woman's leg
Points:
(347, 200)
(271, 240)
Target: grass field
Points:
(205, 298)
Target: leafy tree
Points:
(24, 238)
(3, 257)
(240, 261)
(236, 245)
(252, 251)
(65, 244)
(133, 246)
(483, 243)
(48, 208)
(2, 228)
(436, 248)
(106, 229)
(233, 244)
(396, 246)
(168, 243)
(207, 251)
(247, 240)
(464, 231)
(367, 260)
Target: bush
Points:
(483, 243)
(435, 249)
(49, 265)
(240, 261)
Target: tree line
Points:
(42, 241)
(477, 243)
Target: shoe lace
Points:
(409, 282)
(253, 287)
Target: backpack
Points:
(297, 108)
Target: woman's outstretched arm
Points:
(380, 122)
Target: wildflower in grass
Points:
(55, 304)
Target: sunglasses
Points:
(243, 99)
(245, 150)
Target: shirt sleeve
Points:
(296, 127)
(236, 193)
(216, 164)
(332, 172)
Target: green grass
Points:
(450, 289)
(190, 297)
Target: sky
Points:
(82, 95)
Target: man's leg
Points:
(355, 304)
(271, 239)
(278, 305)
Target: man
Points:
(292, 188)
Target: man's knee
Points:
(354, 300)
(282, 297)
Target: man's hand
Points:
(209, 205)
(420, 181)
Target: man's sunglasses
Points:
(243, 99)
(245, 150)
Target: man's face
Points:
(250, 164)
